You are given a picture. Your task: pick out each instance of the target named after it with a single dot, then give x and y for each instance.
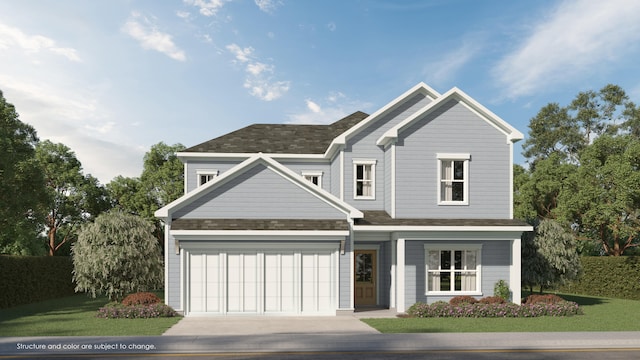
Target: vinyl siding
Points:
(495, 260)
(344, 288)
(363, 146)
(194, 166)
(335, 176)
(300, 167)
(173, 262)
(453, 128)
(259, 193)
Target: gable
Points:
(259, 193)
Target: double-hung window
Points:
(453, 269)
(453, 179)
(205, 176)
(364, 179)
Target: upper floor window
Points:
(364, 179)
(453, 184)
(314, 177)
(205, 176)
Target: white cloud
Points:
(577, 38)
(331, 26)
(336, 106)
(207, 8)
(11, 36)
(445, 68)
(185, 15)
(268, 6)
(259, 79)
(152, 39)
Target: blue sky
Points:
(111, 78)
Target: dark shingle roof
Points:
(280, 138)
(258, 224)
(381, 218)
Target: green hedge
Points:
(29, 279)
(608, 276)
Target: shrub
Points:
(501, 289)
(492, 300)
(118, 311)
(141, 298)
(545, 299)
(463, 299)
(481, 310)
(607, 276)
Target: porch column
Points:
(393, 290)
(515, 276)
(400, 253)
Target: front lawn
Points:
(74, 316)
(600, 314)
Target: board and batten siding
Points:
(363, 146)
(495, 260)
(192, 168)
(452, 128)
(259, 193)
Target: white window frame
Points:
(453, 157)
(211, 174)
(362, 162)
(309, 175)
(477, 248)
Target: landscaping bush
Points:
(480, 310)
(492, 300)
(501, 289)
(29, 279)
(141, 298)
(118, 311)
(463, 299)
(607, 276)
(543, 299)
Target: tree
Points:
(549, 256)
(73, 198)
(21, 184)
(603, 197)
(115, 255)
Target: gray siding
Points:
(452, 129)
(344, 288)
(363, 146)
(335, 175)
(173, 284)
(194, 166)
(495, 260)
(300, 167)
(259, 193)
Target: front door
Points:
(366, 277)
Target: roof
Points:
(382, 218)
(279, 138)
(258, 224)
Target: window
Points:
(453, 184)
(313, 176)
(205, 176)
(453, 269)
(364, 179)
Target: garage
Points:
(256, 279)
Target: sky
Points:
(111, 78)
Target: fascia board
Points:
(393, 228)
(227, 156)
(293, 235)
(417, 89)
(512, 133)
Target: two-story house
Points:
(411, 203)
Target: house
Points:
(411, 203)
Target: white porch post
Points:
(515, 276)
(400, 253)
(393, 290)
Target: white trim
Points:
(375, 247)
(262, 234)
(400, 288)
(399, 228)
(243, 156)
(515, 274)
(453, 156)
(341, 175)
(166, 262)
(313, 173)
(205, 172)
(511, 186)
(465, 181)
(393, 287)
(185, 171)
(393, 181)
(364, 162)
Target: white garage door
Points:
(270, 281)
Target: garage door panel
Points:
(214, 284)
(279, 283)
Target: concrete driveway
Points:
(261, 325)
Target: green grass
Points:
(74, 316)
(600, 314)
